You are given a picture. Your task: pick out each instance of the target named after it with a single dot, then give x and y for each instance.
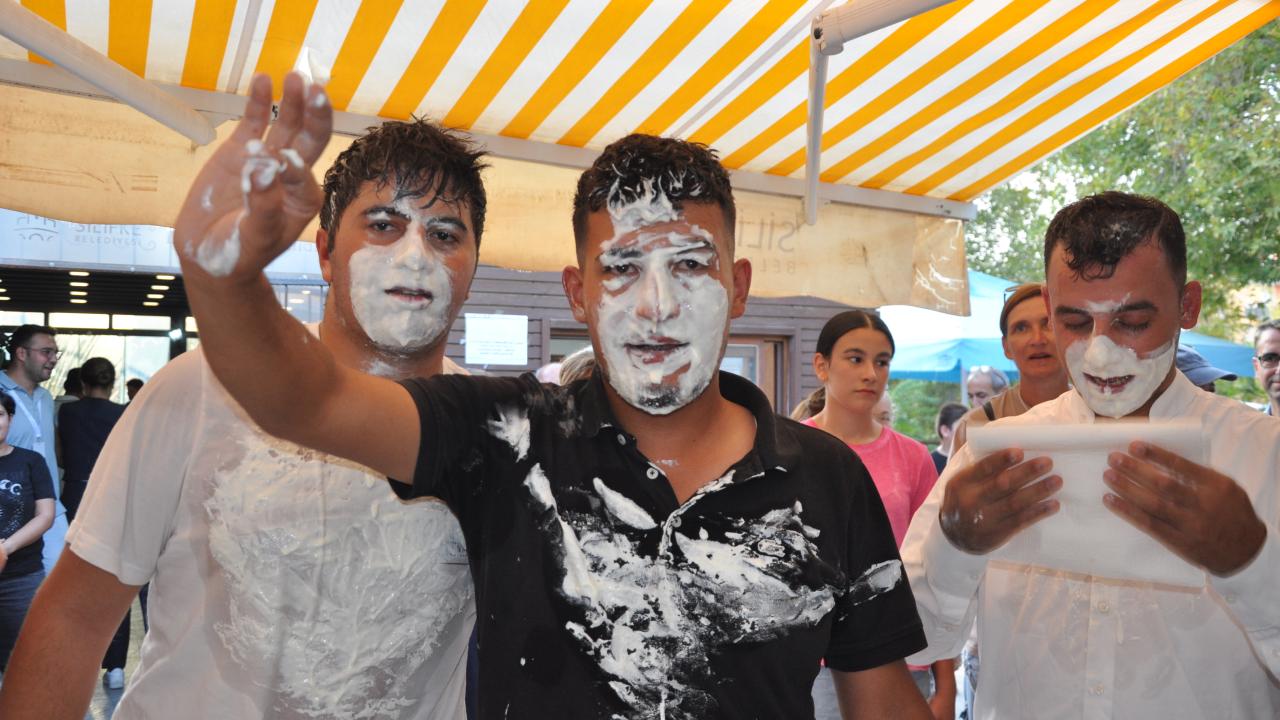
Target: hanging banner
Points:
(95, 163)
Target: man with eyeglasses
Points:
(1266, 363)
(33, 353)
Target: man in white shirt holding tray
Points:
(1202, 641)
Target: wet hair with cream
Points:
(1098, 231)
(424, 161)
(666, 171)
(662, 319)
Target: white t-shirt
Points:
(284, 583)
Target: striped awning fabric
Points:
(947, 105)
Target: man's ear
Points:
(571, 279)
(1004, 343)
(322, 251)
(1192, 296)
(741, 287)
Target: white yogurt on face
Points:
(661, 325)
(1101, 358)
(660, 305)
(417, 314)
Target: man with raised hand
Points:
(650, 542)
(284, 583)
(1063, 644)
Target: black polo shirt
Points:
(599, 595)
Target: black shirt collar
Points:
(775, 445)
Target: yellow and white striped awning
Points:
(945, 105)
(920, 117)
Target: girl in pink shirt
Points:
(855, 349)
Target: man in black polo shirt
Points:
(652, 542)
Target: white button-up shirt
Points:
(1064, 645)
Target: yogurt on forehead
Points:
(401, 292)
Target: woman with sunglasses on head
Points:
(26, 512)
(852, 361)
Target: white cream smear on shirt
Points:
(1102, 358)
(652, 622)
(337, 591)
(408, 264)
(662, 304)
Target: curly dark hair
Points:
(426, 160)
(639, 164)
(1098, 231)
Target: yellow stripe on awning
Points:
(1061, 101)
(788, 68)
(928, 73)
(527, 30)
(55, 11)
(945, 105)
(1198, 54)
(617, 17)
(441, 42)
(368, 30)
(210, 32)
(681, 31)
(898, 42)
(290, 20)
(130, 34)
(735, 51)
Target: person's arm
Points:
(250, 202)
(52, 669)
(886, 692)
(943, 702)
(33, 529)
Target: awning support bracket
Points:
(831, 30)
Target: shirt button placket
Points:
(1100, 660)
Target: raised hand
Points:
(993, 499)
(255, 195)
(1199, 513)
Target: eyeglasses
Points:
(54, 353)
(1269, 360)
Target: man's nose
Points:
(657, 300)
(412, 248)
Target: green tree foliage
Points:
(1207, 144)
(917, 402)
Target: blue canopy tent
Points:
(940, 347)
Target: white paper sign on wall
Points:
(496, 339)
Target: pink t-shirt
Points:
(903, 473)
